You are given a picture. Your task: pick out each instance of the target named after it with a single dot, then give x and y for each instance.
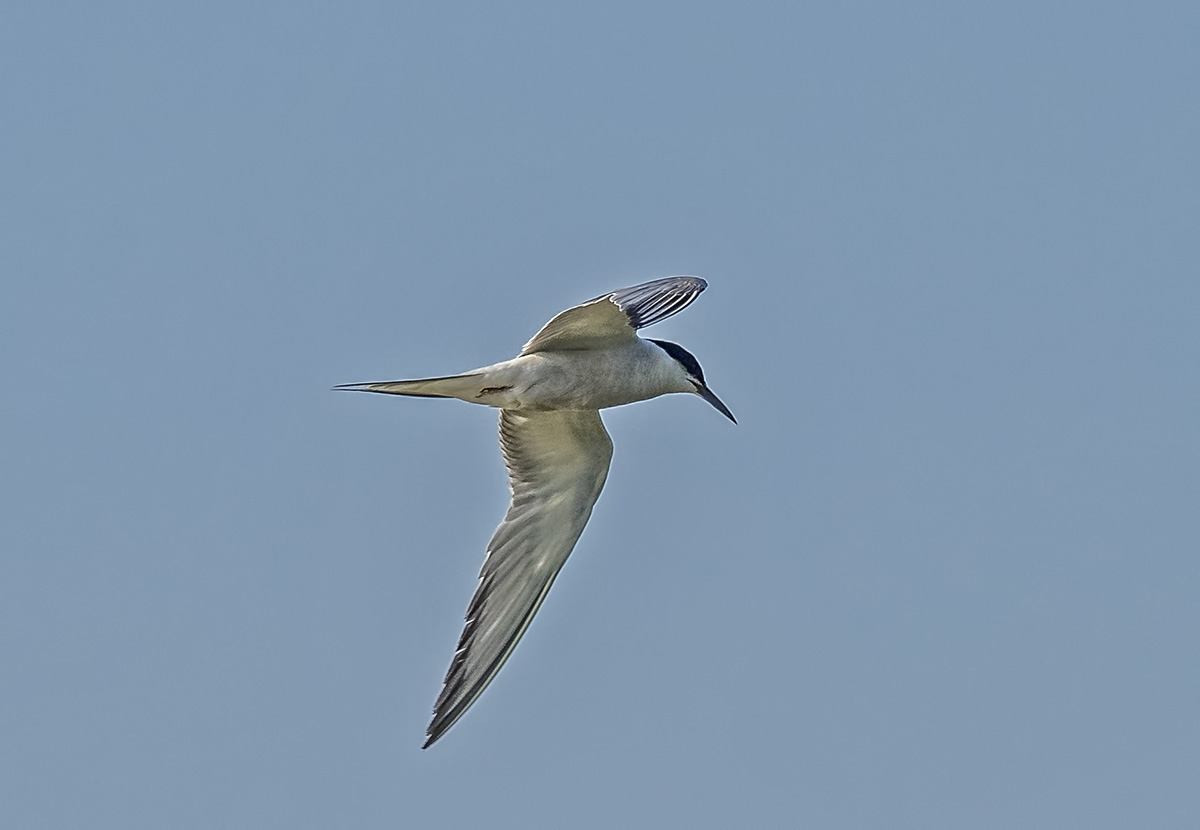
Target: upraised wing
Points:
(616, 316)
(557, 463)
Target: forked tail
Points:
(455, 386)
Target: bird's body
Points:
(552, 380)
(557, 452)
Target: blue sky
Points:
(943, 574)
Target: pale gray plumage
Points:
(557, 453)
(613, 318)
(557, 463)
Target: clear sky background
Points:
(944, 574)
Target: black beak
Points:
(706, 393)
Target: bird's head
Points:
(694, 374)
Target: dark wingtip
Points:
(438, 727)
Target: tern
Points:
(557, 453)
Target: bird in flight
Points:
(557, 453)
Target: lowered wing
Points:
(557, 463)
